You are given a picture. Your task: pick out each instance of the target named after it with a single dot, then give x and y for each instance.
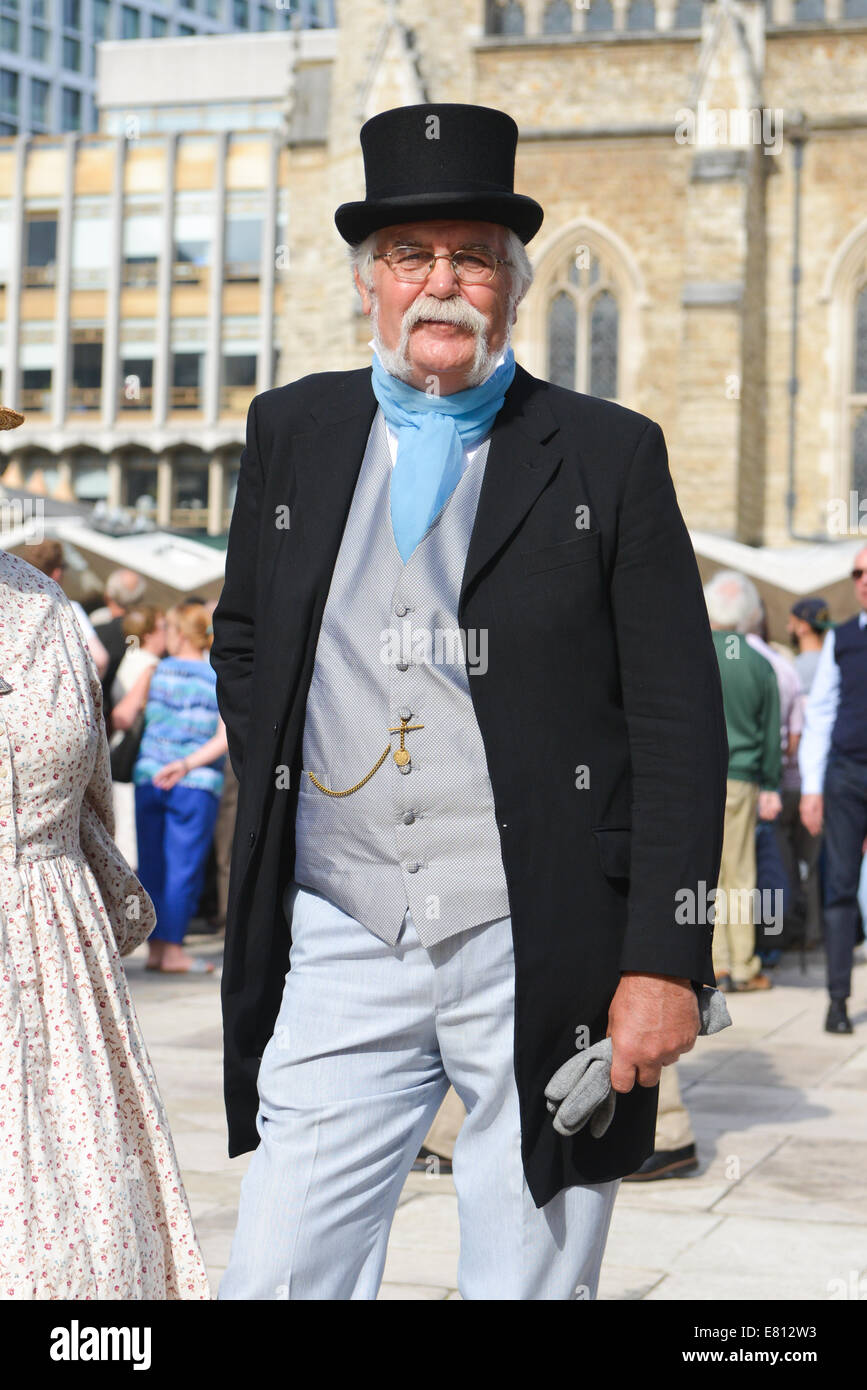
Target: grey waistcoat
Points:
(425, 838)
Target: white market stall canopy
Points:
(784, 574)
(174, 566)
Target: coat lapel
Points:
(520, 464)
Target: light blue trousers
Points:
(366, 1041)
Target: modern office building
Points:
(48, 48)
(143, 279)
(703, 257)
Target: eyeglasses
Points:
(856, 574)
(413, 264)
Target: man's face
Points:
(436, 352)
(861, 584)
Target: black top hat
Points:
(439, 161)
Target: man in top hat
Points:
(473, 703)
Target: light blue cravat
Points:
(432, 433)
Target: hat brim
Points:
(523, 215)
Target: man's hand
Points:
(652, 1020)
(770, 805)
(812, 809)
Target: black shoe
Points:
(429, 1162)
(838, 1019)
(666, 1163)
(724, 983)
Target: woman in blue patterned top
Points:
(178, 778)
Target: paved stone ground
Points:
(778, 1209)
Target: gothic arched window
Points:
(557, 18)
(583, 328)
(504, 17)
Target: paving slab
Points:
(817, 1180)
(776, 1211)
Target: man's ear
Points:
(363, 291)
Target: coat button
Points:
(404, 712)
(408, 817)
(402, 665)
(276, 726)
(252, 837)
(401, 609)
(413, 866)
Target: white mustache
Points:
(432, 310)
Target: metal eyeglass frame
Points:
(442, 256)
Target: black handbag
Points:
(124, 754)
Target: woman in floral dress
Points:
(91, 1201)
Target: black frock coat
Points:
(600, 711)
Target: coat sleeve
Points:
(232, 650)
(672, 699)
(129, 908)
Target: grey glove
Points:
(581, 1090)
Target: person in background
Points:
(833, 759)
(178, 779)
(47, 556)
(752, 712)
(123, 589)
(224, 832)
(675, 1154)
(809, 620)
(772, 873)
(144, 629)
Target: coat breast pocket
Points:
(578, 550)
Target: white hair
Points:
(732, 601)
(125, 588)
(520, 270)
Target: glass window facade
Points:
(101, 19)
(130, 22)
(8, 92)
(40, 102)
(71, 54)
(70, 108)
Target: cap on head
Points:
(814, 611)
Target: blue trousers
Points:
(174, 830)
(366, 1041)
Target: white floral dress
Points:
(91, 1201)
